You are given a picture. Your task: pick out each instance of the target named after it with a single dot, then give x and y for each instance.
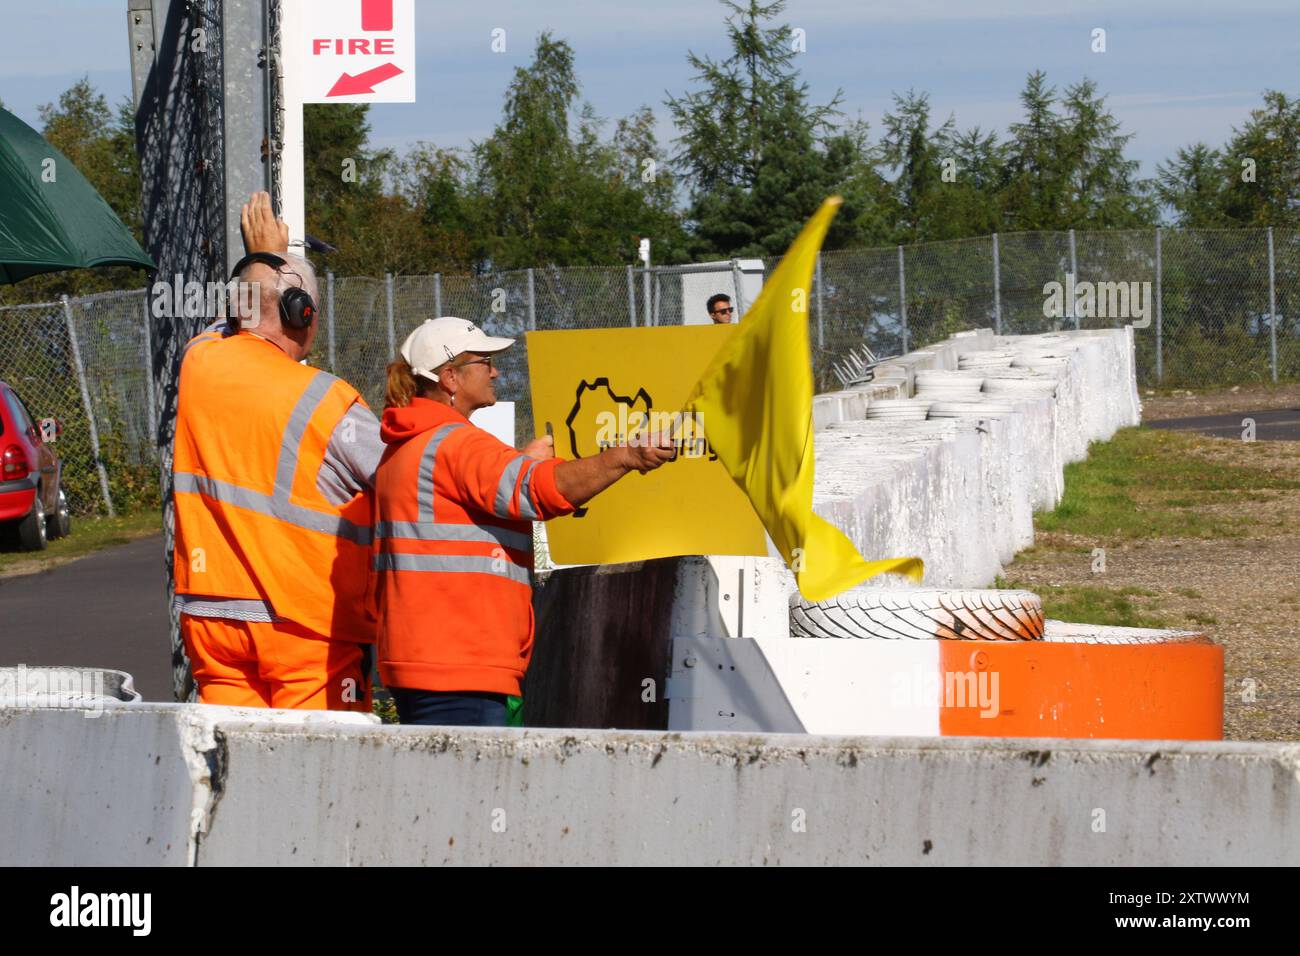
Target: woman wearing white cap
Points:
(453, 534)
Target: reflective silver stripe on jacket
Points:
(294, 431)
(431, 531)
(527, 507)
(278, 505)
(230, 609)
(428, 462)
(461, 564)
(506, 491)
(273, 506)
(426, 529)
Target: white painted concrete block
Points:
(960, 494)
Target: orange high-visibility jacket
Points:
(454, 551)
(252, 428)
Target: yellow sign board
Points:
(594, 387)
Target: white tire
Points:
(921, 614)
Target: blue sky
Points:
(1174, 72)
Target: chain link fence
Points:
(1211, 307)
(85, 363)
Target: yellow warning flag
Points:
(755, 399)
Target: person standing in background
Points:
(720, 310)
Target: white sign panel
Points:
(357, 51)
(497, 420)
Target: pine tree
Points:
(757, 155)
(1270, 142)
(1034, 181)
(1066, 166)
(1103, 190)
(549, 190)
(1192, 185)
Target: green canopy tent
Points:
(51, 218)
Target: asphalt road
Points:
(1274, 424)
(104, 610)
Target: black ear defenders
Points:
(297, 308)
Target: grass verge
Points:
(1089, 604)
(88, 535)
(1146, 483)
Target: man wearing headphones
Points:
(273, 466)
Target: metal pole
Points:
(1074, 271)
(736, 280)
(392, 334)
(437, 295)
(295, 21)
(997, 287)
(631, 299)
(150, 396)
(532, 303)
(329, 320)
(902, 297)
(85, 400)
(645, 292)
(1160, 344)
(821, 330)
(246, 91)
(139, 24)
(1272, 307)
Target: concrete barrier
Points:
(961, 493)
(129, 785)
(184, 784)
(1079, 682)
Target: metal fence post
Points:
(85, 400)
(902, 298)
(532, 303)
(151, 396)
(821, 329)
(645, 293)
(329, 320)
(249, 159)
(736, 277)
(392, 334)
(997, 288)
(437, 295)
(1160, 343)
(1074, 271)
(631, 298)
(1272, 308)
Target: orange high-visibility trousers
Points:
(283, 665)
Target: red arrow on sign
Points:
(364, 82)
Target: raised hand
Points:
(263, 231)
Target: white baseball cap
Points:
(437, 341)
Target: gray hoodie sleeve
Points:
(351, 457)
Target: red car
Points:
(32, 501)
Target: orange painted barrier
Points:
(1129, 684)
